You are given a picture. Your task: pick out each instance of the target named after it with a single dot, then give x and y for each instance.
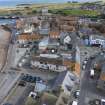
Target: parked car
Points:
(33, 95)
(24, 77)
(76, 93)
(20, 64)
(74, 103)
(86, 59)
(95, 102)
(83, 67)
(38, 79)
(85, 62)
(92, 73)
(23, 60)
(102, 101)
(31, 79)
(22, 83)
(92, 57)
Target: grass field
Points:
(79, 12)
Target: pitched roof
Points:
(26, 36)
(59, 79)
(54, 34)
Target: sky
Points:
(47, 0)
(8, 3)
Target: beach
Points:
(4, 42)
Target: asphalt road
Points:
(88, 85)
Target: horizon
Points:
(47, 1)
(13, 3)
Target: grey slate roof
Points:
(59, 79)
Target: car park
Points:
(31, 79)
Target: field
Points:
(79, 12)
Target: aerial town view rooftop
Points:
(52, 52)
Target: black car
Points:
(33, 80)
(29, 78)
(22, 83)
(24, 77)
(92, 57)
(38, 79)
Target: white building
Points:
(97, 40)
(49, 67)
(28, 29)
(45, 11)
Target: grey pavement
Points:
(7, 84)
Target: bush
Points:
(34, 11)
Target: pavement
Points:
(7, 83)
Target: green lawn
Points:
(78, 12)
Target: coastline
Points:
(4, 41)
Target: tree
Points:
(34, 11)
(30, 101)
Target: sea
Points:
(12, 3)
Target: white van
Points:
(33, 94)
(92, 73)
(102, 101)
(75, 103)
